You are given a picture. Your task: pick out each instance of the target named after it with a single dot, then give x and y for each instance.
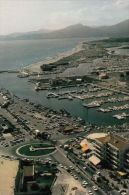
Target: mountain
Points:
(118, 30)
(81, 31)
(26, 35)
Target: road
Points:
(62, 158)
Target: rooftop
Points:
(115, 140)
(93, 136)
(28, 171)
(94, 160)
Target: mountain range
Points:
(78, 30)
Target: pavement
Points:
(68, 185)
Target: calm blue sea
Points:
(15, 54)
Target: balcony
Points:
(113, 160)
(98, 150)
(127, 160)
(113, 157)
(97, 145)
(98, 155)
(112, 147)
(127, 154)
(115, 166)
(112, 152)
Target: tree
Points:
(125, 185)
(34, 187)
(46, 190)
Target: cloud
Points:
(28, 15)
(121, 3)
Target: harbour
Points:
(80, 99)
(64, 97)
(74, 105)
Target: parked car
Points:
(95, 188)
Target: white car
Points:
(98, 173)
(77, 170)
(61, 165)
(71, 167)
(89, 192)
(123, 193)
(95, 188)
(75, 177)
(66, 168)
(84, 185)
(84, 182)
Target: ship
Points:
(92, 105)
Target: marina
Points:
(79, 95)
(64, 97)
(108, 100)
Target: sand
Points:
(64, 178)
(8, 172)
(36, 67)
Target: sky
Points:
(32, 15)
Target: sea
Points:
(20, 53)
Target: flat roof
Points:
(121, 173)
(68, 128)
(84, 142)
(115, 140)
(85, 148)
(93, 136)
(7, 135)
(28, 171)
(94, 160)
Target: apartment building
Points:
(113, 150)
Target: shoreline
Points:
(36, 66)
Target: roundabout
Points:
(35, 149)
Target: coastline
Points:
(35, 68)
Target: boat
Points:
(52, 95)
(118, 116)
(121, 116)
(62, 97)
(70, 97)
(91, 105)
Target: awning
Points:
(85, 148)
(94, 160)
(121, 173)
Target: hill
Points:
(81, 31)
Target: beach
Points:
(8, 172)
(36, 66)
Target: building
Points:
(103, 76)
(5, 125)
(84, 146)
(28, 172)
(113, 150)
(27, 176)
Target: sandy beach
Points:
(8, 172)
(36, 67)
